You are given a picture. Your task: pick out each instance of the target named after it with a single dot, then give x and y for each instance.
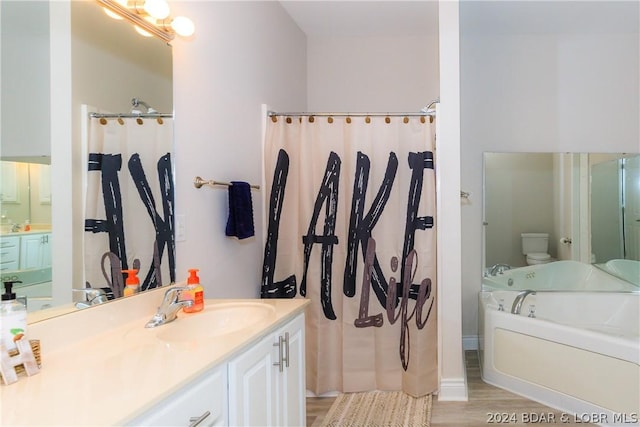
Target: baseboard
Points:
(453, 389)
(470, 342)
(327, 394)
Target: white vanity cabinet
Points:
(262, 386)
(201, 403)
(267, 382)
(35, 251)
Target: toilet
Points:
(535, 247)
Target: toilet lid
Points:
(539, 256)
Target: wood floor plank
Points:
(484, 402)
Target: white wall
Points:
(372, 74)
(243, 54)
(573, 87)
(25, 84)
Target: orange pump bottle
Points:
(132, 285)
(195, 292)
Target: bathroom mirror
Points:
(587, 203)
(110, 63)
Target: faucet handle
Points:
(91, 292)
(173, 293)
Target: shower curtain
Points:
(350, 226)
(129, 209)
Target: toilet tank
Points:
(535, 243)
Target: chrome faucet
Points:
(169, 308)
(519, 299)
(499, 269)
(92, 297)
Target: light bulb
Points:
(183, 26)
(142, 32)
(159, 9)
(111, 14)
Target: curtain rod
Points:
(429, 113)
(130, 115)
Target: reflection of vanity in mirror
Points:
(25, 230)
(543, 207)
(42, 122)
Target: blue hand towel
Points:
(240, 222)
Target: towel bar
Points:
(199, 182)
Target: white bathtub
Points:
(559, 275)
(580, 355)
(626, 269)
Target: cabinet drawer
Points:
(9, 253)
(202, 395)
(9, 242)
(9, 265)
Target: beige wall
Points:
(519, 198)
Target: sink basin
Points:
(216, 320)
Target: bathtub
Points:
(580, 354)
(559, 275)
(626, 269)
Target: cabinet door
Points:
(31, 251)
(252, 387)
(8, 184)
(191, 403)
(292, 381)
(35, 251)
(45, 260)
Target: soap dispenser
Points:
(13, 317)
(195, 292)
(132, 284)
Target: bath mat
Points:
(378, 409)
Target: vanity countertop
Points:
(21, 232)
(110, 377)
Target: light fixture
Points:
(158, 9)
(150, 18)
(183, 26)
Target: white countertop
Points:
(107, 378)
(21, 232)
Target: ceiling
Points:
(420, 17)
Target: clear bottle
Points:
(132, 284)
(27, 225)
(195, 292)
(13, 318)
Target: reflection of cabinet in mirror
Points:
(26, 257)
(35, 251)
(8, 184)
(9, 254)
(25, 195)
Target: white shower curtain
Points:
(350, 210)
(129, 207)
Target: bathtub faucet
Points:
(517, 302)
(499, 269)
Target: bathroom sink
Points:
(215, 320)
